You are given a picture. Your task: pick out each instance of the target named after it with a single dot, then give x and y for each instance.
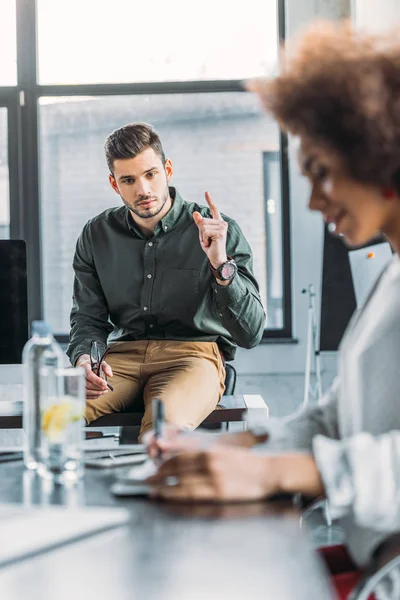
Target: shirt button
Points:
(165, 227)
(151, 325)
(145, 308)
(150, 244)
(149, 276)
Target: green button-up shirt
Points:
(132, 287)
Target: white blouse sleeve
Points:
(296, 431)
(362, 476)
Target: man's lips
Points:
(147, 202)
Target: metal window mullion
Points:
(30, 206)
(285, 200)
(154, 88)
(286, 247)
(14, 167)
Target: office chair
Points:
(387, 577)
(230, 380)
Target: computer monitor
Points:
(366, 265)
(338, 293)
(13, 301)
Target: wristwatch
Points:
(226, 271)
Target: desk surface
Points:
(231, 408)
(167, 552)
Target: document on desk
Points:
(132, 482)
(26, 532)
(11, 408)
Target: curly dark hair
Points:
(340, 88)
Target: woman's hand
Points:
(226, 474)
(175, 440)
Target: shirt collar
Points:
(171, 218)
(168, 222)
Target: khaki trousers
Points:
(188, 376)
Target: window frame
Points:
(25, 202)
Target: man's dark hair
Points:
(130, 140)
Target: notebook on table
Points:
(26, 532)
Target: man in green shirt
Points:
(166, 285)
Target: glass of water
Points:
(62, 408)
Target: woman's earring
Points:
(389, 193)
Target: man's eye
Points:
(151, 174)
(128, 181)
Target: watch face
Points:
(228, 270)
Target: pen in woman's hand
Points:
(158, 409)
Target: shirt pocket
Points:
(179, 293)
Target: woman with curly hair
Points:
(339, 93)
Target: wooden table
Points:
(166, 552)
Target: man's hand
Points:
(212, 234)
(95, 385)
(226, 474)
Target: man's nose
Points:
(143, 188)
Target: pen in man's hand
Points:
(102, 375)
(158, 409)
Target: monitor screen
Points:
(338, 299)
(13, 301)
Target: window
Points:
(4, 179)
(87, 67)
(216, 142)
(273, 237)
(87, 41)
(8, 43)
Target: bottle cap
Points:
(41, 328)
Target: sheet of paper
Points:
(138, 473)
(26, 532)
(129, 489)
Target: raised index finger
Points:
(214, 210)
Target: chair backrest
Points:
(388, 578)
(230, 380)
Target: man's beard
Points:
(148, 213)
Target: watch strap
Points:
(216, 272)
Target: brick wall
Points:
(215, 142)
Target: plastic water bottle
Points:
(41, 350)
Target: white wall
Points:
(376, 15)
(306, 229)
